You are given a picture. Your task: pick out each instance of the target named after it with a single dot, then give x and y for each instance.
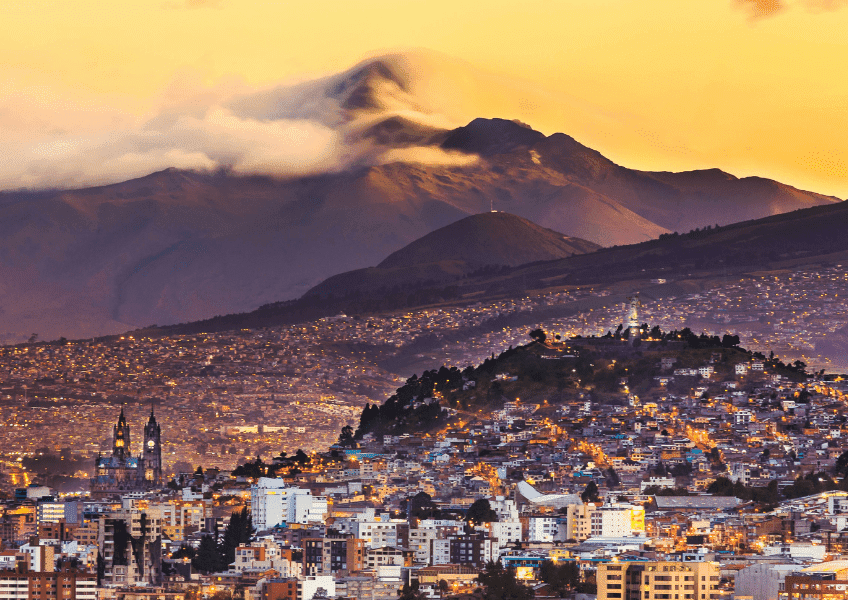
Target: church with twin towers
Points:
(122, 472)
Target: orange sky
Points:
(670, 84)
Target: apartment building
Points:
(23, 584)
(660, 580)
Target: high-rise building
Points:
(130, 543)
(49, 510)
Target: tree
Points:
(590, 494)
(501, 584)
(443, 586)
(842, 463)
(538, 335)
(421, 506)
(346, 439)
(184, 552)
(301, 458)
(729, 341)
(208, 560)
(411, 592)
(562, 577)
(239, 531)
(480, 512)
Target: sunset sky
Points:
(750, 87)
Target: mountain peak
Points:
(495, 238)
(487, 137)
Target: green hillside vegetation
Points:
(552, 372)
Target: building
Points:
(474, 549)
(130, 543)
(310, 586)
(122, 472)
(658, 581)
(815, 588)
(278, 589)
(330, 555)
(23, 584)
(583, 521)
(762, 581)
(49, 510)
(543, 528)
(272, 503)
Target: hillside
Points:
(483, 241)
(805, 237)
(493, 238)
(177, 246)
(551, 373)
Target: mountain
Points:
(178, 245)
(491, 239)
(808, 237)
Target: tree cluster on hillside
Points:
(280, 465)
(402, 404)
(804, 485)
(684, 335)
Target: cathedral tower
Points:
(152, 452)
(121, 438)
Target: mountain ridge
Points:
(176, 246)
(776, 242)
(485, 240)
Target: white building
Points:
(421, 541)
(440, 552)
(272, 503)
(743, 417)
(308, 586)
(505, 532)
(542, 529)
(376, 534)
(814, 551)
(660, 482)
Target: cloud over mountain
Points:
(393, 108)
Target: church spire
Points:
(121, 437)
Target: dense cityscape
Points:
(721, 464)
(423, 300)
